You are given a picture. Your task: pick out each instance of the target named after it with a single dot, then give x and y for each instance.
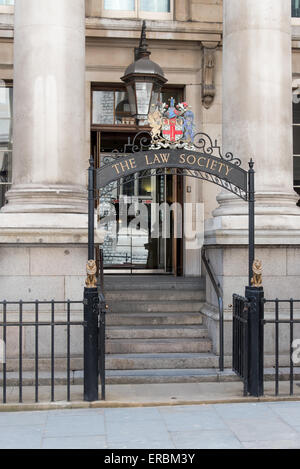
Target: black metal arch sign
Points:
(201, 159)
(195, 164)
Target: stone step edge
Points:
(143, 376)
(163, 340)
(154, 300)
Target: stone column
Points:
(49, 164)
(257, 108)
(257, 123)
(43, 234)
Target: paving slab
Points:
(246, 425)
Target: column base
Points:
(277, 245)
(277, 220)
(46, 199)
(46, 229)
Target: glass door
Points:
(139, 227)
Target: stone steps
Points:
(158, 376)
(154, 306)
(175, 345)
(125, 377)
(169, 376)
(153, 319)
(157, 332)
(155, 295)
(154, 361)
(152, 282)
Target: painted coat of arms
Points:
(172, 125)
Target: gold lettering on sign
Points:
(213, 165)
(115, 166)
(132, 163)
(158, 159)
(191, 159)
(209, 164)
(124, 166)
(222, 165)
(165, 157)
(199, 159)
(228, 170)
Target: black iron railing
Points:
(240, 339)
(290, 321)
(218, 290)
(25, 315)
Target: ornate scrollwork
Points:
(201, 142)
(204, 143)
(140, 142)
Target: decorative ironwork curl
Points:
(141, 142)
(144, 141)
(204, 143)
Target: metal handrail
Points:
(219, 293)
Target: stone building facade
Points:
(236, 62)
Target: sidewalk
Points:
(213, 426)
(145, 395)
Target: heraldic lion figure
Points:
(155, 121)
(91, 269)
(256, 280)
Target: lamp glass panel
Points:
(131, 98)
(154, 99)
(143, 97)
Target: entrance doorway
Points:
(129, 246)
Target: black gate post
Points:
(101, 344)
(255, 297)
(251, 215)
(91, 305)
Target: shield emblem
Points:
(172, 129)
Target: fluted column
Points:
(257, 107)
(49, 167)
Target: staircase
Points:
(155, 332)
